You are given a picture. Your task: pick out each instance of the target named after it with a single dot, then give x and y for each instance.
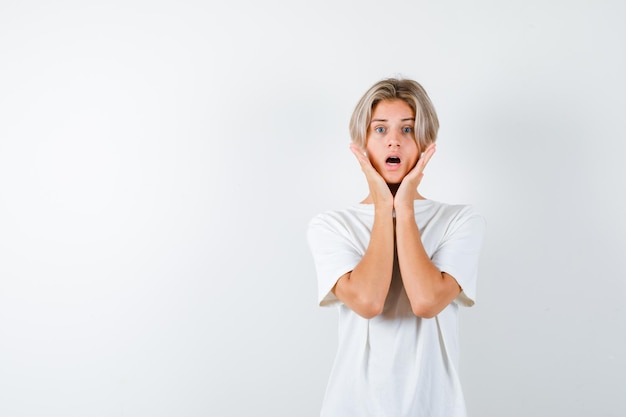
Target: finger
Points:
(360, 154)
(417, 171)
(426, 156)
(430, 149)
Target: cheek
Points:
(414, 160)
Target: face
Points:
(391, 145)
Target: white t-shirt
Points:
(396, 364)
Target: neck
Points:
(393, 188)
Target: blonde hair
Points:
(426, 121)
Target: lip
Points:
(393, 167)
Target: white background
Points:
(160, 160)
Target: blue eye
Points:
(407, 129)
(379, 129)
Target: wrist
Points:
(383, 208)
(404, 210)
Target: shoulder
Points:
(340, 219)
(341, 227)
(457, 212)
(457, 216)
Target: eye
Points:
(407, 129)
(379, 129)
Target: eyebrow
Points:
(385, 120)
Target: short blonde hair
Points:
(426, 121)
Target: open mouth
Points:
(393, 160)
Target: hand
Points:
(379, 190)
(408, 187)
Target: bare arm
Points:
(429, 290)
(365, 288)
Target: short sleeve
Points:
(459, 252)
(334, 254)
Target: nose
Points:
(393, 139)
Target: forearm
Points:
(428, 289)
(365, 288)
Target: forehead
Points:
(395, 109)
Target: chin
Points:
(394, 181)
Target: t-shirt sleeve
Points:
(459, 252)
(334, 255)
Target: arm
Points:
(365, 288)
(429, 290)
